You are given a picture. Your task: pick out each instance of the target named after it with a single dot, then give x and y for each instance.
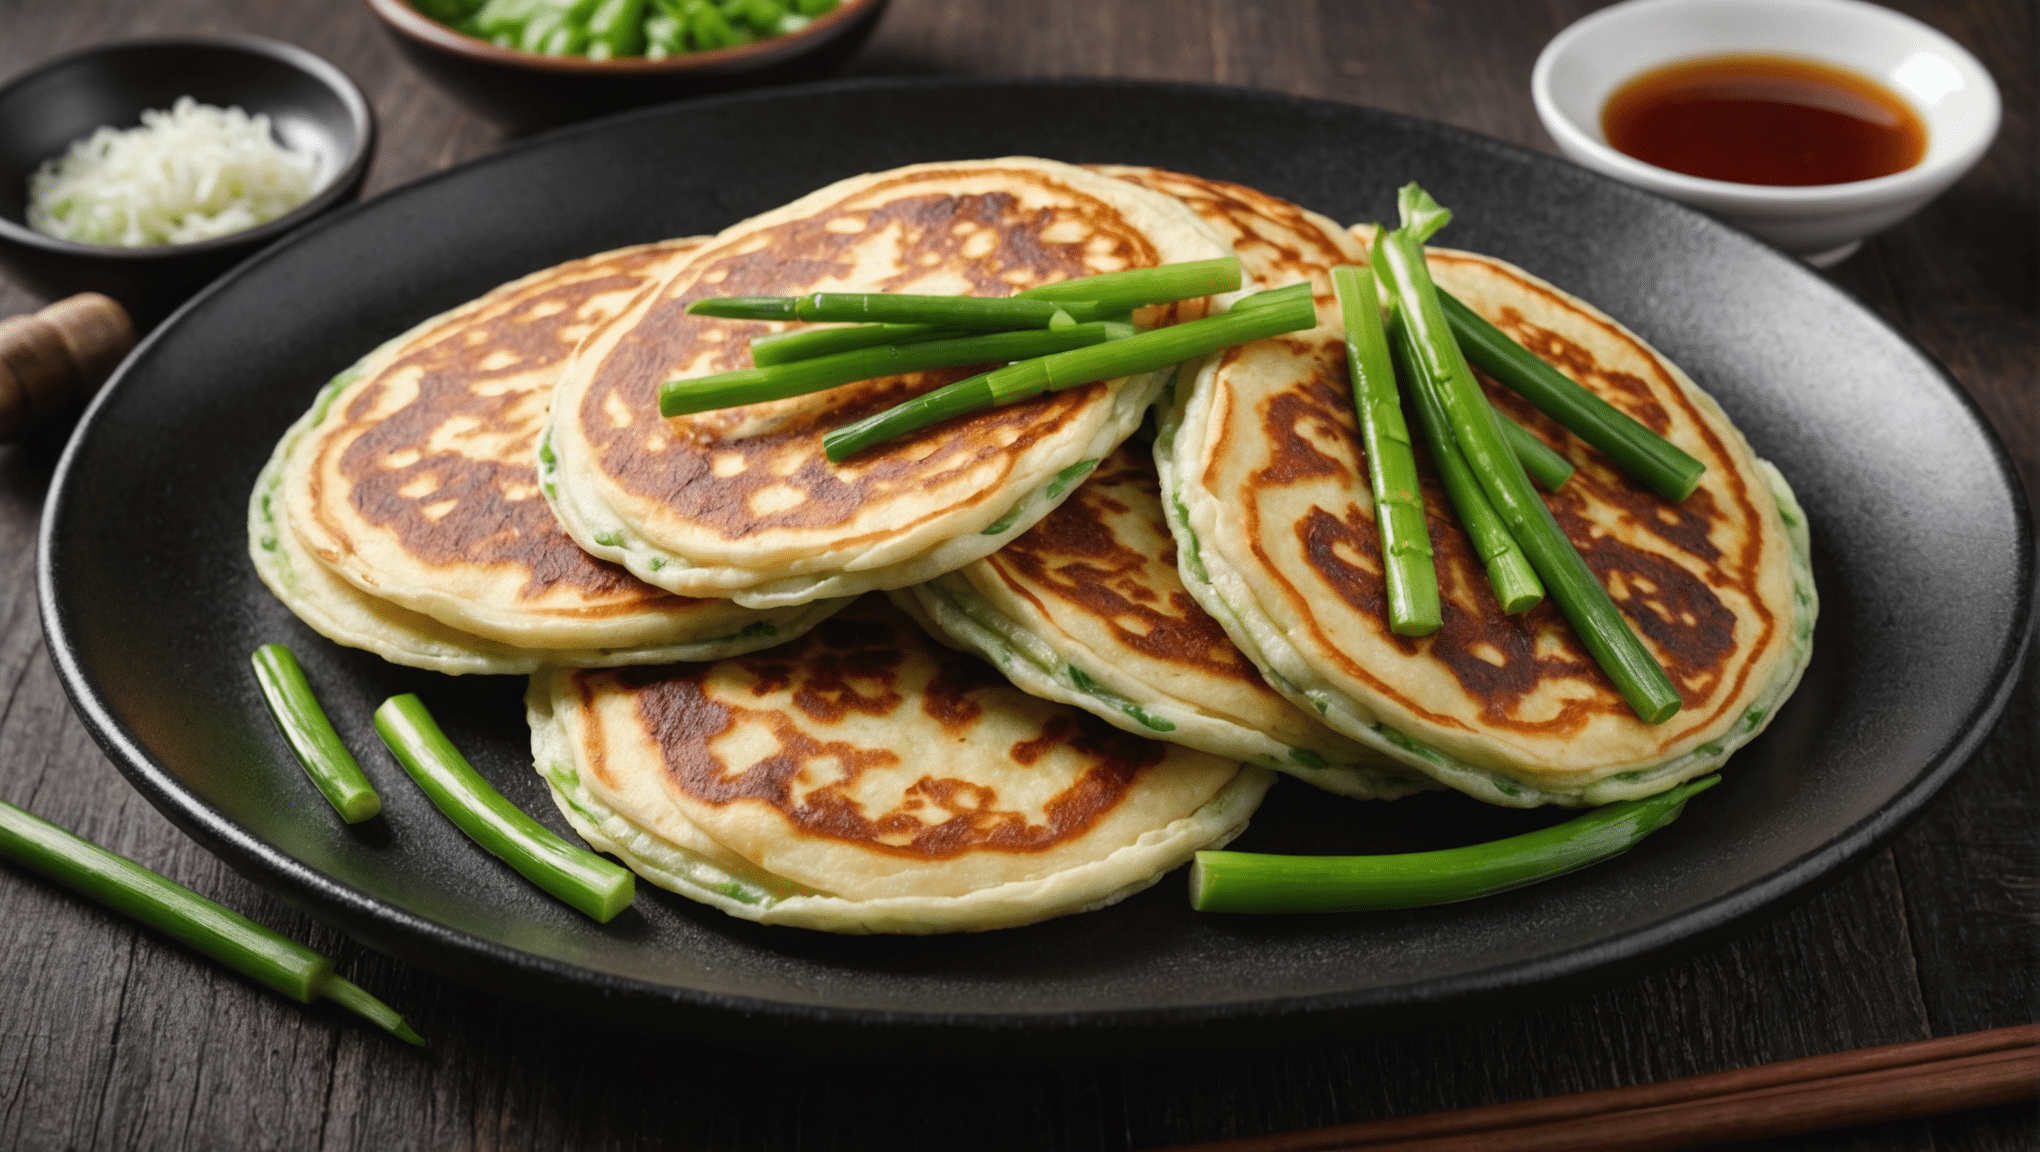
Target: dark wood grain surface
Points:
(112, 1038)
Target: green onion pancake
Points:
(402, 513)
(865, 779)
(1087, 608)
(1261, 466)
(742, 502)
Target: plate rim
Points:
(737, 1018)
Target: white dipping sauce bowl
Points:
(1944, 84)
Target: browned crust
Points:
(496, 517)
(855, 666)
(1680, 613)
(683, 479)
(1074, 555)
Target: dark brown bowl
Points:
(526, 91)
(312, 106)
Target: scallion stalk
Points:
(1586, 605)
(590, 883)
(1407, 570)
(176, 911)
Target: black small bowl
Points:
(312, 107)
(526, 91)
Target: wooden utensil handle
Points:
(57, 357)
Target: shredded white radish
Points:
(191, 173)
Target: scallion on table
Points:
(1145, 352)
(1407, 569)
(577, 876)
(1257, 882)
(326, 760)
(221, 933)
(1475, 426)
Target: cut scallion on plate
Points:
(590, 883)
(326, 760)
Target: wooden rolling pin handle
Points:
(58, 357)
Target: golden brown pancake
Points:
(414, 480)
(865, 779)
(742, 502)
(1261, 455)
(1087, 608)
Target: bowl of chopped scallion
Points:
(533, 64)
(143, 169)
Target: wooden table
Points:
(112, 1038)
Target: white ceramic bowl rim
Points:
(1945, 158)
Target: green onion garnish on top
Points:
(1475, 425)
(1652, 459)
(973, 313)
(1117, 291)
(1407, 569)
(1145, 352)
(757, 385)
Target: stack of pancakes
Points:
(495, 492)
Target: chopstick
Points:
(1894, 1082)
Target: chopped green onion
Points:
(1116, 291)
(297, 713)
(1509, 573)
(1145, 352)
(808, 343)
(1475, 425)
(1543, 462)
(590, 883)
(974, 313)
(1254, 882)
(1407, 570)
(221, 933)
(757, 385)
(1635, 449)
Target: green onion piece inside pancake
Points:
(1407, 569)
(178, 912)
(1509, 573)
(1586, 605)
(757, 385)
(1255, 882)
(1145, 352)
(297, 713)
(1650, 458)
(575, 875)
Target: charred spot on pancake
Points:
(448, 507)
(1318, 407)
(1075, 554)
(997, 243)
(947, 698)
(1692, 630)
(813, 784)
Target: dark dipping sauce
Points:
(1764, 120)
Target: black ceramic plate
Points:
(1920, 536)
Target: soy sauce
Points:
(1764, 120)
